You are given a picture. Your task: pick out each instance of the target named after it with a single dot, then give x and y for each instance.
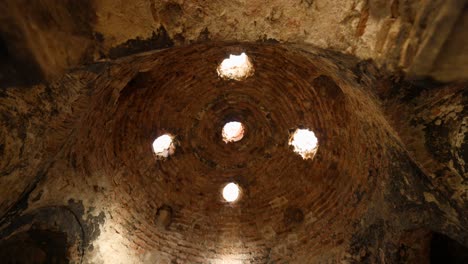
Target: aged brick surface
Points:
(86, 86)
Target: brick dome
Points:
(287, 201)
(88, 90)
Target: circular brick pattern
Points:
(179, 92)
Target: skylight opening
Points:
(233, 132)
(163, 146)
(236, 67)
(304, 142)
(231, 192)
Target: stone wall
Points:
(41, 40)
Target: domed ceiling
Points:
(287, 201)
(79, 168)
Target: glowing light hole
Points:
(233, 132)
(305, 143)
(163, 146)
(231, 192)
(236, 67)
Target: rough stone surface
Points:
(41, 40)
